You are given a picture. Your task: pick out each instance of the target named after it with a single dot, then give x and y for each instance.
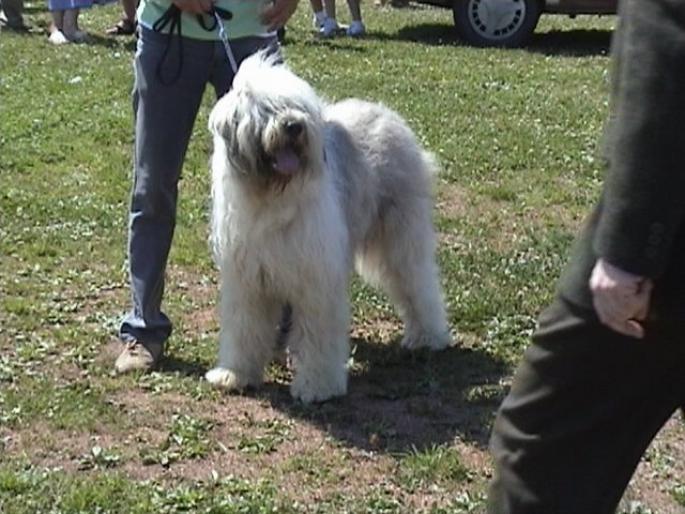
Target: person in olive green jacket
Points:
(605, 370)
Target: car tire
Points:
(506, 23)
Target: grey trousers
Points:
(13, 10)
(170, 79)
(584, 405)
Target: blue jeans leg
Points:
(165, 109)
(164, 117)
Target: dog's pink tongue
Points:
(286, 162)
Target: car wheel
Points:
(495, 22)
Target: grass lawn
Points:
(517, 135)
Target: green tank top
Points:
(244, 22)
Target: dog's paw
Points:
(226, 379)
(438, 341)
(308, 391)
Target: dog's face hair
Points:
(270, 123)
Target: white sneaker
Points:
(329, 28)
(356, 29)
(57, 37)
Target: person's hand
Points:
(621, 299)
(194, 6)
(277, 14)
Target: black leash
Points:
(172, 19)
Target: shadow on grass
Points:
(399, 400)
(171, 364)
(128, 42)
(433, 34)
(576, 43)
(340, 43)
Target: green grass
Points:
(517, 135)
(29, 491)
(678, 493)
(434, 466)
(188, 438)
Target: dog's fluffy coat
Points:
(302, 190)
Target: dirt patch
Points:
(503, 222)
(661, 470)
(452, 201)
(398, 403)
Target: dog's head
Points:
(269, 125)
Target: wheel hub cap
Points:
(496, 19)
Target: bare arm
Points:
(279, 13)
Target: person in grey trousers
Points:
(180, 50)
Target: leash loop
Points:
(172, 19)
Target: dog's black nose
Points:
(293, 128)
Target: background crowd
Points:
(64, 23)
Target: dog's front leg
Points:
(319, 346)
(247, 336)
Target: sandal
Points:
(124, 27)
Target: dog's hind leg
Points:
(319, 347)
(247, 337)
(401, 260)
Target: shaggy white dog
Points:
(301, 191)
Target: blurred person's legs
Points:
(70, 26)
(356, 27)
(319, 13)
(330, 26)
(127, 23)
(11, 14)
(584, 405)
(56, 35)
(129, 8)
(64, 27)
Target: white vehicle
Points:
(509, 23)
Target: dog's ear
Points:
(220, 119)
